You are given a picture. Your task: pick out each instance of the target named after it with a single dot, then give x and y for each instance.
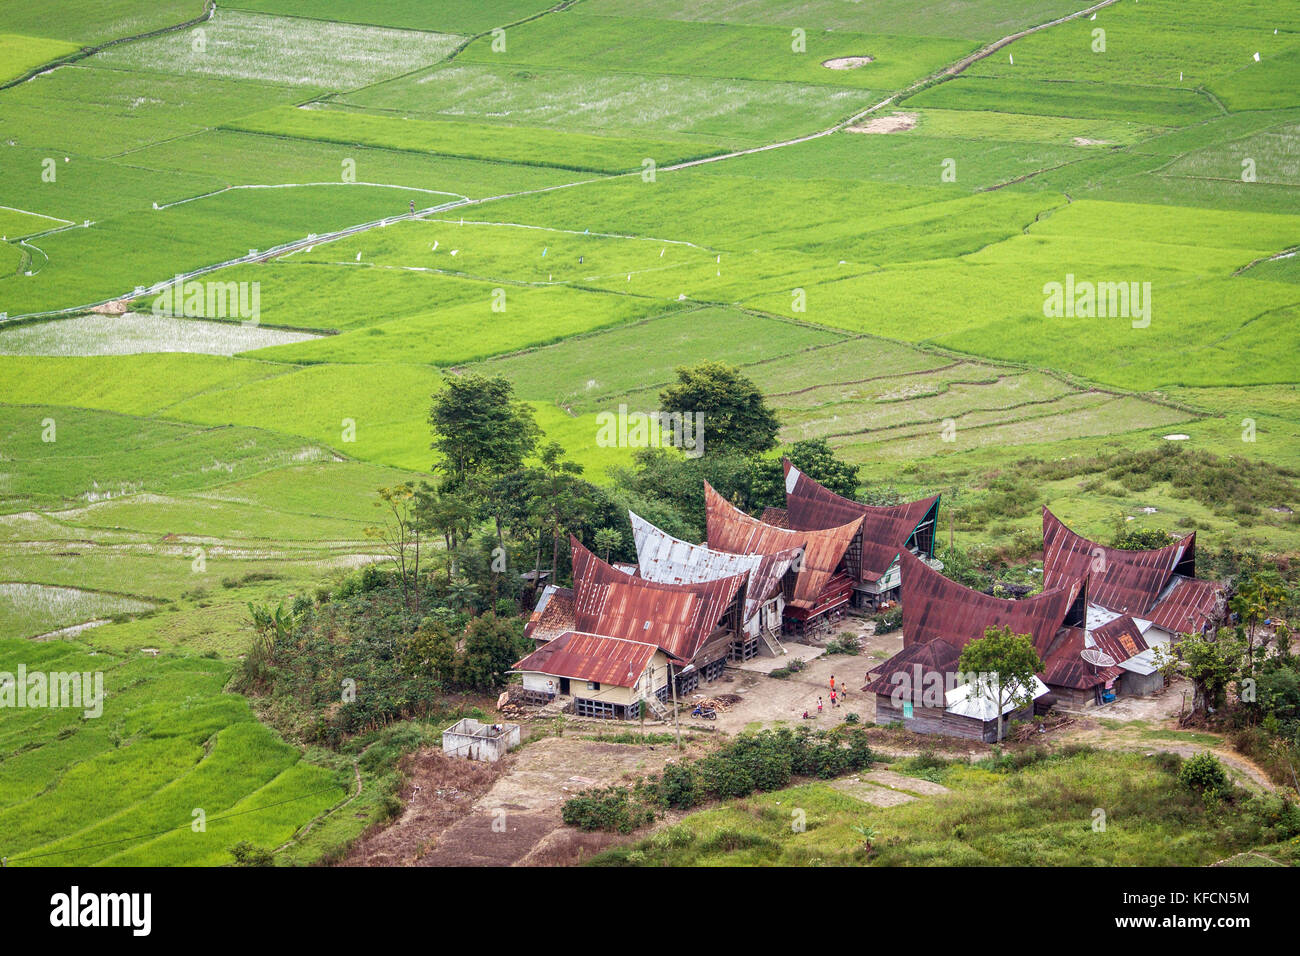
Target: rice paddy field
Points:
(863, 206)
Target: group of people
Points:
(838, 695)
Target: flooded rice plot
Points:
(32, 610)
(134, 333)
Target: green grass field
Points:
(589, 234)
(1043, 815)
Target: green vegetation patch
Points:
(533, 147)
(289, 51)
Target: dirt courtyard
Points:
(766, 701)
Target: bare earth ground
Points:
(884, 788)
(766, 701)
(847, 62)
(466, 813)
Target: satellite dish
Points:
(1095, 655)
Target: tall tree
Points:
(449, 513)
(1258, 595)
(1004, 664)
(479, 429)
(401, 533)
(1211, 662)
(559, 501)
(608, 540)
(735, 414)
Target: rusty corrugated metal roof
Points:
(730, 529)
(592, 657)
(553, 614)
(916, 662)
(669, 560)
(935, 607)
(1120, 638)
(1064, 666)
(885, 530)
(678, 618)
(1187, 607)
(1128, 582)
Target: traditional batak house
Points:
(695, 624)
(922, 689)
(884, 534)
(1139, 601)
(669, 560)
(607, 676)
(940, 617)
(694, 627)
(938, 608)
(824, 574)
(552, 616)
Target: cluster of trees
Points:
(360, 657)
(502, 501)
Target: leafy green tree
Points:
(1258, 595)
(562, 503)
(479, 428)
(1211, 662)
(1277, 690)
(431, 653)
(816, 459)
(448, 513)
(1006, 663)
(735, 413)
(608, 540)
(402, 532)
(1140, 539)
(676, 482)
(491, 648)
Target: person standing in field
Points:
(832, 682)
(412, 207)
(819, 705)
(833, 703)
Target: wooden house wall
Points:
(924, 720)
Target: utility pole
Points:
(677, 720)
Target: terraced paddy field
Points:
(582, 201)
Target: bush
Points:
(1203, 774)
(844, 644)
(781, 673)
(889, 621)
(677, 787)
(246, 854)
(721, 776)
(610, 809)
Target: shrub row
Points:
(763, 761)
